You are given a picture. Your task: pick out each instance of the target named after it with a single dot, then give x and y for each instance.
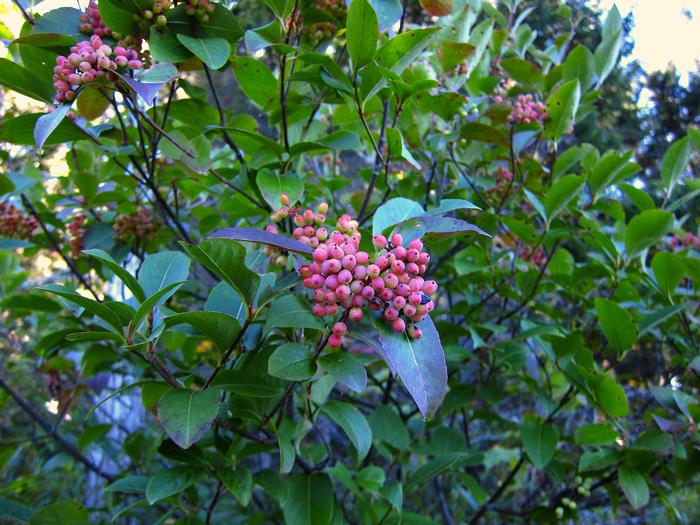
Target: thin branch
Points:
(222, 117)
(56, 246)
(50, 431)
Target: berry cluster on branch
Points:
(527, 110)
(342, 276)
(14, 223)
(91, 22)
(137, 226)
(77, 231)
(201, 9)
(87, 62)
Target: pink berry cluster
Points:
(91, 22)
(536, 257)
(689, 240)
(77, 231)
(200, 9)
(527, 110)
(343, 276)
(504, 178)
(88, 61)
(14, 223)
(136, 226)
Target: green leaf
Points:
(639, 198)
(47, 124)
(398, 149)
(220, 328)
(118, 18)
(595, 434)
(61, 21)
(223, 298)
(67, 512)
(393, 212)
(153, 301)
(353, 423)
(226, 258)
(292, 361)
(171, 481)
(362, 32)
(346, 370)
(90, 305)
(129, 485)
(187, 415)
(272, 184)
(245, 384)
(579, 65)
(162, 269)
(256, 80)
(239, 482)
(131, 283)
(675, 162)
(448, 205)
(20, 130)
(16, 78)
(561, 194)
(646, 229)
(431, 228)
(388, 428)
(213, 51)
(522, 71)
(634, 486)
(562, 105)
(617, 324)
(609, 395)
(669, 271)
(608, 51)
(540, 441)
(420, 363)
(310, 500)
(291, 311)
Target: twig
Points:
(56, 246)
(222, 117)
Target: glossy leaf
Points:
(353, 423)
(540, 441)
(419, 363)
(362, 29)
(187, 415)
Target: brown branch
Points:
(71, 449)
(57, 247)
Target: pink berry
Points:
(415, 298)
(416, 244)
(386, 295)
(344, 276)
(379, 242)
(414, 332)
(377, 283)
(334, 341)
(398, 267)
(391, 314)
(396, 239)
(355, 314)
(409, 310)
(360, 272)
(318, 310)
(362, 257)
(368, 292)
(340, 329)
(398, 325)
(400, 252)
(391, 280)
(403, 290)
(343, 292)
(412, 255)
(399, 302)
(429, 287)
(412, 268)
(349, 262)
(332, 282)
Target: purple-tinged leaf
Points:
(430, 228)
(262, 237)
(46, 124)
(420, 363)
(147, 91)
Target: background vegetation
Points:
(158, 368)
